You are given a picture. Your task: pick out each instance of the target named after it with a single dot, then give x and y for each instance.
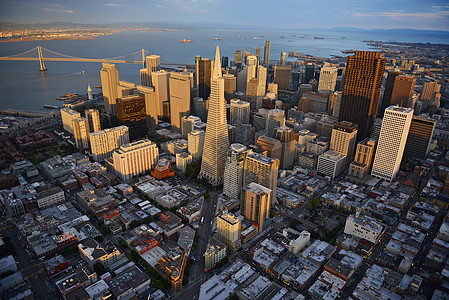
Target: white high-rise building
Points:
(331, 163)
(392, 140)
(328, 78)
(195, 142)
(67, 116)
(104, 142)
(233, 173)
(134, 158)
(161, 87)
(81, 133)
(109, 81)
(240, 111)
(93, 119)
(216, 140)
(180, 89)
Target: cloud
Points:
(69, 11)
(423, 15)
(402, 14)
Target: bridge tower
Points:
(143, 58)
(41, 58)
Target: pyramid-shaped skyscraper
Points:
(216, 142)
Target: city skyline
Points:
(429, 15)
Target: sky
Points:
(372, 14)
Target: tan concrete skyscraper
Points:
(228, 230)
(153, 64)
(161, 87)
(104, 142)
(93, 119)
(363, 160)
(266, 53)
(81, 133)
(109, 82)
(134, 158)
(328, 78)
(216, 140)
(180, 92)
(263, 170)
(67, 116)
(402, 90)
(282, 76)
(287, 138)
(255, 203)
(361, 91)
(392, 141)
(343, 139)
(151, 105)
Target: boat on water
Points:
(281, 36)
(83, 72)
(186, 41)
(240, 36)
(256, 38)
(289, 41)
(48, 106)
(343, 37)
(217, 39)
(261, 36)
(97, 86)
(349, 51)
(318, 38)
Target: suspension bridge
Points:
(42, 54)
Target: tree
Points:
(99, 238)
(99, 269)
(122, 243)
(293, 223)
(314, 202)
(159, 285)
(134, 224)
(206, 196)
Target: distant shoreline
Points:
(85, 37)
(27, 39)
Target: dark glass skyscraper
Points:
(266, 53)
(364, 73)
(203, 77)
(386, 99)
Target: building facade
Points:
(195, 142)
(255, 203)
(104, 142)
(392, 140)
(361, 90)
(109, 82)
(93, 119)
(233, 173)
(228, 230)
(67, 116)
(134, 158)
(216, 140)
